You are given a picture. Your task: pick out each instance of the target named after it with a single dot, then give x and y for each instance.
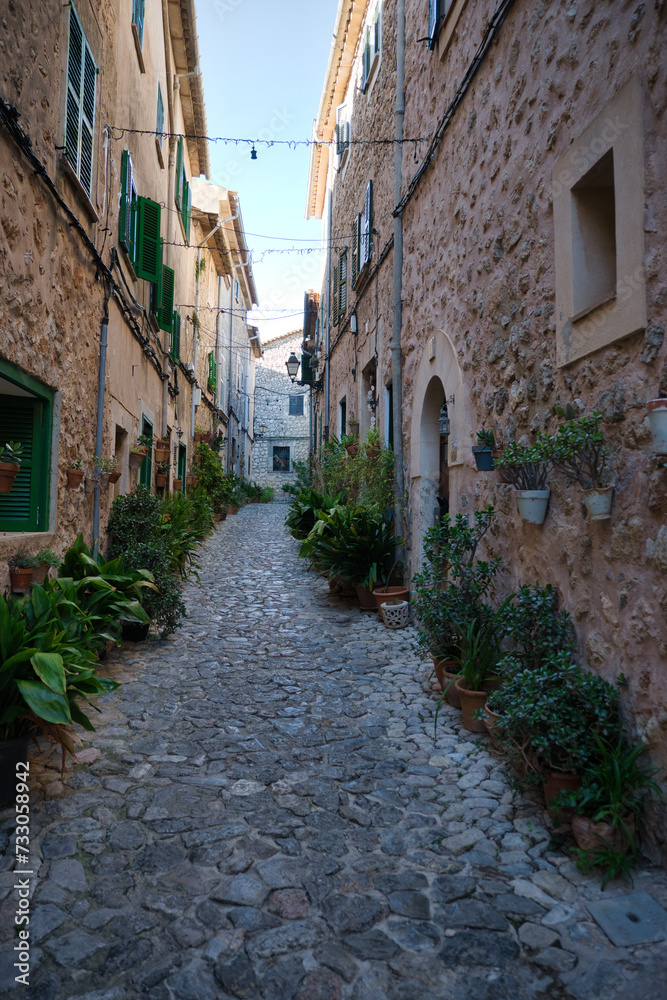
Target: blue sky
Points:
(263, 67)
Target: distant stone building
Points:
(282, 415)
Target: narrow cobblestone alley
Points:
(263, 813)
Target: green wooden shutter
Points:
(212, 371)
(146, 471)
(80, 107)
(187, 199)
(159, 124)
(21, 420)
(182, 465)
(175, 352)
(179, 173)
(149, 245)
(166, 312)
(342, 289)
(334, 297)
(306, 372)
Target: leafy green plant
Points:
(525, 467)
(535, 629)
(478, 659)
(552, 713)
(163, 468)
(23, 560)
(450, 589)
(305, 510)
(267, 495)
(486, 438)
(105, 464)
(352, 543)
(48, 558)
(12, 452)
(145, 441)
(578, 450)
(614, 864)
(76, 464)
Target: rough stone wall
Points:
(479, 265)
(273, 388)
(479, 272)
(51, 305)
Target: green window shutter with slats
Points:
(156, 288)
(212, 371)
(21, 420)
(342, 288)
(159, 124)
(179, 173)
(187, 198)
(166, 312)
(356, 230)
(334, 297)
(80, 105)
(175, 352)
(146, 470)
(149, 246)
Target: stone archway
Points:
(438, 378)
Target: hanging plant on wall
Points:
(527, 468)
(578, 450)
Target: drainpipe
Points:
(327, 378)
(100, 422)
(396, 358)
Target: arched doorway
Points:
(434, 486)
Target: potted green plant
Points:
(351, 444)
(611, 796)
(384, 591)
(353, 425)
(483, 450)
(104, 467)
(478, 659)
(10, 464)
(527, 468)
(657, 418)
(75, 474)
(110, 467)
(46, 559)
(373, 444)
(140, 450)
(21, 566)
(162, 474)
(192, 479)
(578, 451)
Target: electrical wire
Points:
(235, 141)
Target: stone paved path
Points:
(263, 813)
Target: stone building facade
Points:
(533, 275)
(282, 428)
(102, 127)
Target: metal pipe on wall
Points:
(99, 430)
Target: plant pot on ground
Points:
(447, 671)
(478, 660)
(657, 418)
(383, 594)
(10, 464)
(396, 613)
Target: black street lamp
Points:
(292, 364)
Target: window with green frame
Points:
(212, 380)
(183, 194)
(26, 415)
(182, 465)
(146, 471)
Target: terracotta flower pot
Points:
(39, 575)
(178, 484)
(161, 451)
(352, 449)
(114, 477)
(8, 473)
(365, 598)
(192, 481)
(470, 702)
(160, 479)
(592, 836)
(560, 781)
(232, 509)
(20, 580)
(491, 721)
(74, 478)
(137, 456)
(446, 673)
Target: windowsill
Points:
(596, 305)
(79, 189)
(137, 46)
(28, 536)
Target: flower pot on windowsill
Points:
(598, 502)
(74, 478)
(483, 456)
(8, 473)
(657, 418)
(533, 505)
(137, 456)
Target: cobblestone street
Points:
(263, 812)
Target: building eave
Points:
(183, 30)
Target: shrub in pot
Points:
(612, 795)
(478, 659)
(21, 567)
(483, 450)
(578, 451)
(305, 509)
(46, 559)
(526, 468)
(534, 628)
(551, 714)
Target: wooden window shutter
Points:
(188, 210)
(355, 248)
(80, 108)
(159, 123)
(175, 352)
(335, 295)
(342, 278)
(21, 420)
(376, 31)
(179, 172)
(165, 314)
(212, 371)
(127, 204)
(367, 225)
(149, 245)
(366, 59)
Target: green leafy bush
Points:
(357, 545)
